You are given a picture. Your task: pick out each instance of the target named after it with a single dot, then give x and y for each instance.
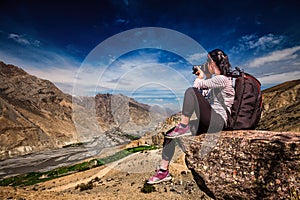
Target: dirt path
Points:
(88, 176)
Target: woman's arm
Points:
(218, 81)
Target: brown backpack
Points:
(247, 106)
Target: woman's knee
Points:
(190, 90)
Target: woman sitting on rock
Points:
(211, 115)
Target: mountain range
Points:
(35, 115)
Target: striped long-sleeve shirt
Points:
(227, 91)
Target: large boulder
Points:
(245, 164)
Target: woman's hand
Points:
(201, 74)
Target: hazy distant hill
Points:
(281, 106)
(127, 113)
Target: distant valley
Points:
(35, 115)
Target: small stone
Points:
(179, 182)
(165, 189)
(184, 172)
(179, 192)
(190, 184)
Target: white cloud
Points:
(47, 64)
(22, 39)
(264, 41)
(297, 63)
(279, 55)
(197, 57)
(252, 41)
(36, 43)
(18, 38)
(159, 100)
(279, 78)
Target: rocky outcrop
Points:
(156, 137)
(245, 164)
(34, 114)
(105, 112)
(163, 127)
(281, 107)
(126, 113)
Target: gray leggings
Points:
(208, 121)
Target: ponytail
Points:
(221, 60)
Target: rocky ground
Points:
(123, 179)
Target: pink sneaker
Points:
(179, 131)
(160, 177)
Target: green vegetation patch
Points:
(147, 188)
(74, 145)
(132, 137)
(37, 177)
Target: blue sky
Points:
(145, 48)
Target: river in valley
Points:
(51, 159)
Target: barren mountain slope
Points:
(34, 113)
(281, 107)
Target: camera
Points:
(203, 67)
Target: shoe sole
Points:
(178, 136)
(159, 181)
